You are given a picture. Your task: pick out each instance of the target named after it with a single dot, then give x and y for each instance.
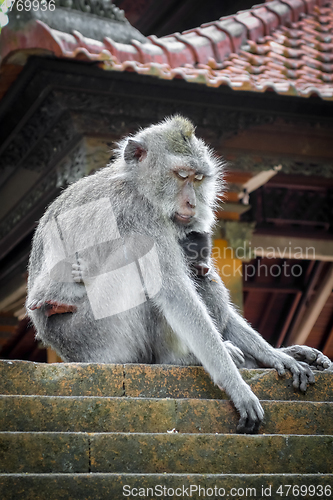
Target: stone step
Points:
(137, 380)
(122, 414)
(67, 452)
(171, 486)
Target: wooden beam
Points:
(270, 288)
(266, 312)
(328, 342)
(260, 179)
(17, 297)
(312, 279)
(315, 307)
(289, 318)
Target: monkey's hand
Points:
(316, 359)
(250, 410)
(301, 372)
(236, 354)
(79, 270)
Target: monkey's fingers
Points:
(35, 304)
(302, 376)
(251, 415)
(279, 367)
(246, 426)
(250, 422)
(321, 362)
(77, 276)
(79, 269)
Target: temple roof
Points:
(285, 46)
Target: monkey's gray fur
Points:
(162, 186)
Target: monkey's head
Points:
(175, 171)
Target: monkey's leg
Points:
(234, 328)
(214, 297)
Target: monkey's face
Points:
(176, 172)
(187, 181)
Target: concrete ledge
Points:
(44, 452)
(138, 380)
(211, 453)
(165, 453)
(95, 414)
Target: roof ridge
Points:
(283, 45)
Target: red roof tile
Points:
(283, 45)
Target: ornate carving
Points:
(212, 123)
(230, 122)
(30, 133)
(69, 170)
(52, 143)
(98, 153)
(16, 215)
(73, 167)
(103, 8)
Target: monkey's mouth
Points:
(183, 219)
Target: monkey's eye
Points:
(199, 177)
(182, 174)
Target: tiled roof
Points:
(282, 45)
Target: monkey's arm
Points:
(191, 322)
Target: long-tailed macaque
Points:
(111, 278)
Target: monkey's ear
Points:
(134, 150)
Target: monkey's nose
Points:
(191, 203)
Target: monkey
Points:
(111, 279)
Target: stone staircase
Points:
(106, 432)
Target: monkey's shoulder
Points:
(85, 191)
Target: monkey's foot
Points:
(52, 307)
(316, 359)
